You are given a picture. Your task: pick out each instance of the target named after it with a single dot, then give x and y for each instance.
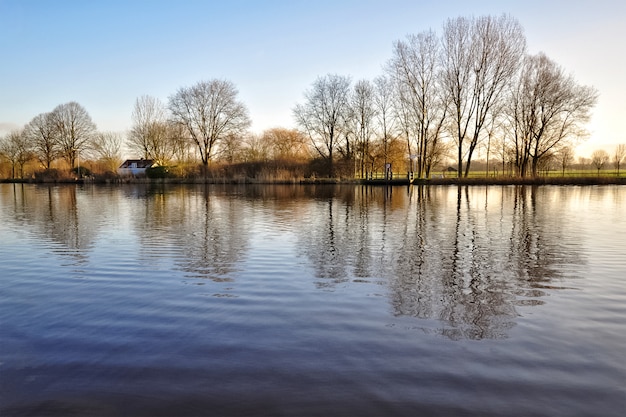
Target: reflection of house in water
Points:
(135, 167)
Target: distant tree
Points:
(584, 162)
(504, 152)
(107, 148)
(565, 158)
(40, 132)
(232, 149)
(323, 114)
(547, 163)
(253, 148)
(286, 144)
(599, 158)
(480, 57)
(74, 130)
(547, 108)
(209, 111)
(394, 154)
(618, 156)
(17, 150)
(149, 135)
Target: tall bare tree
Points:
(40, 132)
(323, 114)
(415, 67)
(209, 111)
(383, 102)
(547, 108)
(618, 156)
(405, 121)
(457, 61)
(480, 58)
(362, 118)
(149, 134)
(74, 130)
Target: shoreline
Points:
(567, 180)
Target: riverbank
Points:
(566, 180)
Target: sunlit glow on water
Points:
(307, 301)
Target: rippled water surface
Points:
(312, 301)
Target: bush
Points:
(107, 176)
(81, 172)
(158, 172)
(49, 175)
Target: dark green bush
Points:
(158, 172)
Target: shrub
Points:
(49, 175)
(158, 172)
(81, 172)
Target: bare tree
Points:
(286, 144)
(565, 158)
(107, 148)
(618, 156)
(253, 148)
(149, 135)
(415, 67)
(584, 162)
(74, 130)
(599, 158)
(547, 108)
(182, 146)
(494, 127)
(500, 149)
(17, 150)
(383, 102)
(362, 114)
(40, 132)
(480, 57)
(210, 111)
(231, 150)
(405, 120)
(322, 116)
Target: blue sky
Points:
(105, 54)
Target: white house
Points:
(135, 167)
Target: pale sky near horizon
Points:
(105, 54)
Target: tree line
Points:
(472, 88)
(198, 124)
(474, 85)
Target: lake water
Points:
(146, 300)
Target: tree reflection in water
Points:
(464, 257)
(69, 220)
(467, 262)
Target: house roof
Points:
(137, 163)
